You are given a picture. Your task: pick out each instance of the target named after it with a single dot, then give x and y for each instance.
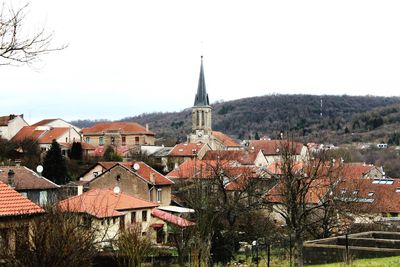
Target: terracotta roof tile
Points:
(241, 156)
(43, 122)
(186, 149)
(225, 139)
(28, 132)
(207, 168)
(103, 203)
(123, 127)
(13, 203)
(26, 179)
(272, 147)
(168, 217)
(53, 133)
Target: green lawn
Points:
(376, 262)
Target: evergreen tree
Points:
(256, 136)
(111, 155)
(54, 167)
(76, 151)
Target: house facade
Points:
(10, 125)
(31, 185)
(111, 212)
(45, 135)
(133, 178)
(118, 134)
(16, 214)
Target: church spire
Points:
(201, 96)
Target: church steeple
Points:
(201, 111)
(201, 98)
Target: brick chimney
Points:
(11, 181)
(152, 178)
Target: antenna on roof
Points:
(321, 107)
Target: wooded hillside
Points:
(344, 118)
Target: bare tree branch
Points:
(15, 47)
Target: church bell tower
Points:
(201, 112)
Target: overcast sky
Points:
(129, 57)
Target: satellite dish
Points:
(117, 190)
(136, 166)
(39, 168)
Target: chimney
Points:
(12, 116)
(147, 127)
(11, 181)
(152, 178)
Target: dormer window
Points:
(398, 190)
(370, 194)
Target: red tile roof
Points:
(186, 149)
(28, 132)
(273, 147)
(103, 203)
(42, 136)
(145, 171)
(316, 191)
(43, 122)
(123, 127)
(54, 133)
(26, 179)
(356, 170)
(225, 139)
(384, 198)
(168, 217)
(241, 156)
(207, 169)
(13, 203)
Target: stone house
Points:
(118, 134)
(31, 185)
(134, 178)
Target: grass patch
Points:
(375, 262)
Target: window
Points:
(101, 140)
(144, 215)
(398, 190)
(159, 195)
(137, 140)
(133, 217)
(122, 222)
(114, 220)
(66, 139)
(87, 139)
(95, 174)
(355, 192)
(370, 194)
(123, 140)
(112, 140)
(42, 198)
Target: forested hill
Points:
(270, 114)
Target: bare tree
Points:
(132, 246)
(222, 193)
(54, 239)
(304, 196)
(16, 47)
